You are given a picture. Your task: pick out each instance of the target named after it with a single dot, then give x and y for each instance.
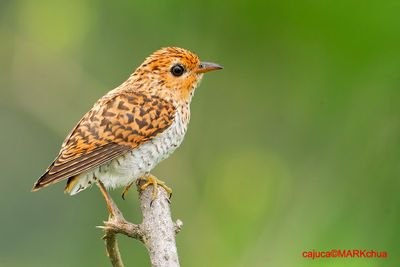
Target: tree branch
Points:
(157, 230)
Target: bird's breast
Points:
(142, 159)
(165, 143)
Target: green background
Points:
(294, 146)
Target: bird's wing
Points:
(112, 127)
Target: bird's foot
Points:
(155, 182)
(126, 189)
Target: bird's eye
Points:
(177, 70)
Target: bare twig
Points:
(159, 228)
(112, 248)
(157, 231)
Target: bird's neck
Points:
(181, 104)
(181, 98)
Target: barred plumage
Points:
(133, 127)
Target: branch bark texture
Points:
(157, 230)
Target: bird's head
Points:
(172, 71)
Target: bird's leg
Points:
(155, 182)
(126, 190)
(110, 203)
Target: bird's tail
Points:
(43, 181)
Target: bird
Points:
(132, 128)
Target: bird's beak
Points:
(207, 66)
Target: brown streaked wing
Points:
(114, 126)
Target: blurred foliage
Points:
(293, 146)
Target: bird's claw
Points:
(126, 189)
(152, 180)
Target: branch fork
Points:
(157, 230)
